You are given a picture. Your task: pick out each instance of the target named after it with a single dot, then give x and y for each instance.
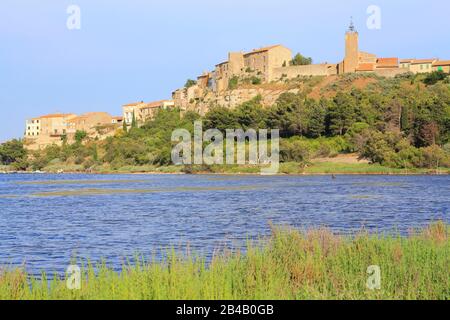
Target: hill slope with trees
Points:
(400, 123)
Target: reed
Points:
(290, 264)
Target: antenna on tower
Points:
(352, 26)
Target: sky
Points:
(134, 50)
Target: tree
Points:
(221, 118)
(80, 135)
(289, 114)
(134, 121)
(189, 83)
(251, 114)
(300, 60)
(233, 83)
(434, 77)
(316, 123)
(404, 121)
(124, 126)
(342, 113)
(12, 151)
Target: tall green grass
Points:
(288, 265)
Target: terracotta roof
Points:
(85, 116)
(118, 118)
(442, 63)
(406, 60)
(76, 119)
(421, 61)
(154, 104)
(262, 50)
(133, 104)
(94, 113)
(225, 62)
(57, 115)
(366, 67)
(387, 62)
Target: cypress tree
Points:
(133, 122)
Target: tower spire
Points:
(352, 26)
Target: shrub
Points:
(233, 83)
(190, 83)
(434, 77)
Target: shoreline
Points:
(314, 168)
(205, 173)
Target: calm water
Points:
(45, 220)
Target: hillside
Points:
(400, 124)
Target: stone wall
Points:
(390, 73)
(308, 70)
(230, 99)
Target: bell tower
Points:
(351, 60)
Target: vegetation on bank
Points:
(288, 265)
(400, 123)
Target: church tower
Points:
(351, 60)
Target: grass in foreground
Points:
(290, 265)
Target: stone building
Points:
(422, 65)
(90, 123)
(144, 111)
(356, 61)
(46, 130)
(441, 66)
(33, 128)
(273, 64)
(54, 128)
(259, 63)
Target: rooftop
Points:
(442, 63)
(366, 67)
(264, 49)
(387, 62)
(56, 115)
(133, 104)
(421, 61)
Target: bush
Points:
(190, 83)
(12, 151)
(233, 83)
(434, 77)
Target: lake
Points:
(45, 220)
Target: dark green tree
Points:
(134, 121)
(300, 60)
(12, 151)
(80, 135)
(189, 83)
(342, 113)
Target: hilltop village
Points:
(258, 68)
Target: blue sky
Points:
(132, 50)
